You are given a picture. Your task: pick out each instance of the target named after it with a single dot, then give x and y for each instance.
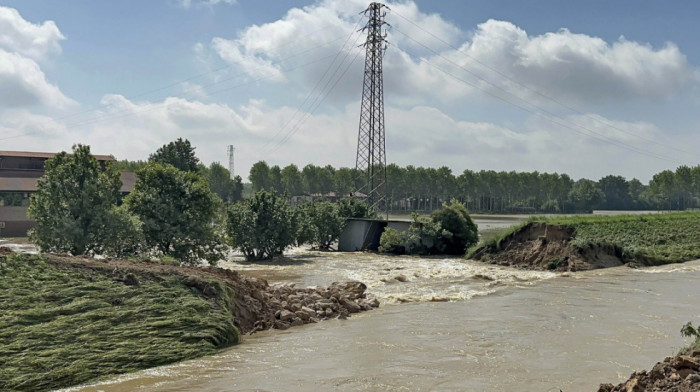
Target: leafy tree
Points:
(179, 153)
(636, 190)
(305, 231)
(74, 206)
(393, 241)
(129, 166)
(616, 192)
(586, 195)
(261, 226)
(344, 181)
(663, 187)
(276, 179)
(449, 230)
(421, 237)
(457, 229)
(221, 184)
(291, 181)
(125, 234)
(260, 177)
(178, 213)
(352, 207)
(327, 223)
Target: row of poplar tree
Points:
(412, 188)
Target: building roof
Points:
(46, 155)
(26, 184)
(128, 181)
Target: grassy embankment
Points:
(655, 238)
(62, 324)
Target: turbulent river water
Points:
(446, 324)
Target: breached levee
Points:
(70, 320)
(585, 243)
(255, 305)
(542, 246)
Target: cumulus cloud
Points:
(27, 39)
(22, 45)
(421, 135)
(23, 83)
(20, 122)
(563, 65)
(578, 66)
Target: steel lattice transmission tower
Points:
(371, 146)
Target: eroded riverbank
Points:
(529, 332)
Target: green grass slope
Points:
(64, 325)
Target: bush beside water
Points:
(449, 230)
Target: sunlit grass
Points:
(655, 238)
(66, 326)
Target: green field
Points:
(62, 325)
(655, 238)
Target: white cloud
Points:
(16, 122)
(421, 135)
(23, 83)
(27, 39)
(574, 68)
(255, 66)
(22, 45)
(578, 66)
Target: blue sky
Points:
(607, 86)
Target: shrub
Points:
(125, 236)
(449, 230)
(74, 203)
(393, 241)
(177, 211)
(262, 226)
(352, 207)
(457, 229)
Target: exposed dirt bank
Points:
(574, 243)
(542, 246)
(255, 304)
(676, 374)
(70, 320)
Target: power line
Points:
(316, 85)
(321, 97)
(503, 74)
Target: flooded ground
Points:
(499, 329)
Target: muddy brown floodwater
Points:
(499, 329)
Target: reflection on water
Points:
(502, 330)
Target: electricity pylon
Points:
(371, 144)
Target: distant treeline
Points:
(425, 189)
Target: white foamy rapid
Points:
(20, 247)
(394, 279)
